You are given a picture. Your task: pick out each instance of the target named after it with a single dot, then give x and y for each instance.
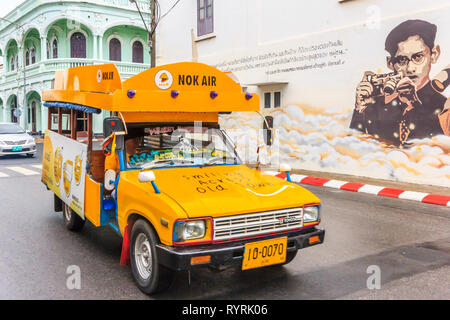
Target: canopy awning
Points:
(52, 104)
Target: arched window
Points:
(27, 58)
(115, 50)
(48, 50)
(33, 55)
(17, 61)
(138, 52)
(55, 49)
(78, 45)
(12, 64)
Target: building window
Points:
(48, 50)
(78, 45)
(205, 17)
(115, 50)
(274, 102)
(27, 58)
(277, 99)
(267, 99)
(17, 62)
(12, 64)
(33, 55)
(55, 49)
(138, 52)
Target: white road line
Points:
(368, 188)
(2, 175)
(37, 166)
(411, 195)
(23, 171)
(335, 184)
(297, 177)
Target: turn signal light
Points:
(313, 239)
(200, 259)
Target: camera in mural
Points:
(406, 103)
(384, 83)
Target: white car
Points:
(14, 140)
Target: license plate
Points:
(264, 253)
(17, 148)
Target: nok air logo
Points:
(163, 79)
(99, 76)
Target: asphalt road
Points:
(408, 241)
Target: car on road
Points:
(14, 140)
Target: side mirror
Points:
(110, 180)
(146, 176)
(285, 168)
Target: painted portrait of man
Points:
(403, 104)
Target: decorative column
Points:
(43, 48)
(95, 47)
(100, 53)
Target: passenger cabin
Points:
(177, 93)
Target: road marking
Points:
(2, 175)
(37, 166)
(23, 171)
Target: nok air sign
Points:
(64, 168)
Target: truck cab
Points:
(167, 178)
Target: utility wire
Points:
(165, 14)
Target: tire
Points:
(289, 257)
(30, 155)
(72, 220)
(150, 276)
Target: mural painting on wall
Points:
(398, 126)
(404, 104)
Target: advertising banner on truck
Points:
(64, 168)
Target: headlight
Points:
(2, 143)
(311, 214)
(30, 141)
(189, 230)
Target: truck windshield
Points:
(165, 146)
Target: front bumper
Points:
(26, 149)
(179, 258)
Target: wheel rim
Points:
(143, 256)
(67, 213)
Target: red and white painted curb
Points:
(367, 188)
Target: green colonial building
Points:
(42, 36)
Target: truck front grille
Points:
(257, 223)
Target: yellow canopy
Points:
(179, 87)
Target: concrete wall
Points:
(315, 54)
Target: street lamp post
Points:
(22, 46)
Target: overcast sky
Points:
(8, 5)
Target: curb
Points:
(367, 188)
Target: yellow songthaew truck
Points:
(166, 177)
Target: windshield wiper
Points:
(160, 161)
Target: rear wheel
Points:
(150, 276)
(72, 220)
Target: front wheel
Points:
(72, 220)
(149, 275)
(30, 155)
